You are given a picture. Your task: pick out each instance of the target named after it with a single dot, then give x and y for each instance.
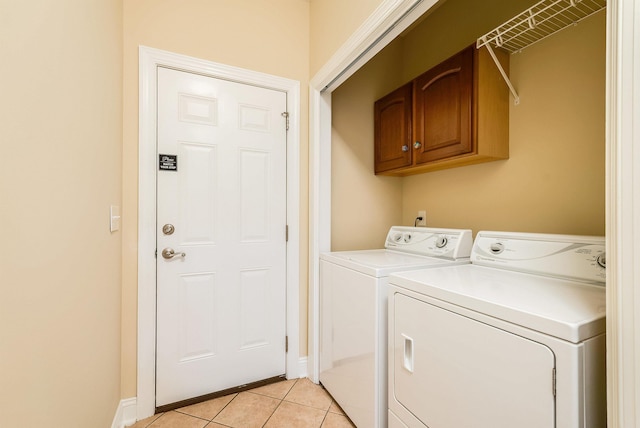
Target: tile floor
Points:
(295, 403)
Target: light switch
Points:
(114, 212)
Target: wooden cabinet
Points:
(456, 113)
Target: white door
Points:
(221, 185)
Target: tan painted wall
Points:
(453, 26)
(61, 139)
(373, 202)
(554, 180)
(332, 23)
(270, 37)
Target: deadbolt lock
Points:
(168, 229)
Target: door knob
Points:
(417, 144)
(405, 148)
(169, 253)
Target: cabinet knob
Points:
(405, 148)
(417, 144)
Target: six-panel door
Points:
(220, 307)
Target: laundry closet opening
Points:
(554, 179)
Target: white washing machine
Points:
(514, 339)
(353, 313)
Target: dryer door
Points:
(451, 371)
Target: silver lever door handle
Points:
(169, 253)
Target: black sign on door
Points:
(168, 162)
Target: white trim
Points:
(387, 21)
(149, 60)
(320, 214)
(623, 213)
(302, 367)
(125, 413)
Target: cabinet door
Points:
(393, 130)
(443, 100)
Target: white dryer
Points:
(514, 339)
(353, 313)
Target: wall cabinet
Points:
(456, 113)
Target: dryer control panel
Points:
(573, 257)
(445, 243)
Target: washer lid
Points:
(570, 310)
(380, 263)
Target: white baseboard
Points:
(303, 367)
(125, 414)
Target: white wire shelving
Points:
(540, 21)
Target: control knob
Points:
(497, 247)
(602, 260)
(441, 241)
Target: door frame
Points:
(389, 19)
(622, 184)
(149, 60)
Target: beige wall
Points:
(270, 37)
(372, 202)
(61, 139)
(554, 179)
(453, 26)
(332, 23)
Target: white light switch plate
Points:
(114, 212)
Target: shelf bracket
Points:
(516, 98)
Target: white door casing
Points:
(150, 60)
(222, 194)
(385, 24)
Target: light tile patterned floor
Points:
(296, 403)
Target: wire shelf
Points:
(541, 20)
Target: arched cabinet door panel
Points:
(392, 123)
(442, 109)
